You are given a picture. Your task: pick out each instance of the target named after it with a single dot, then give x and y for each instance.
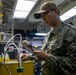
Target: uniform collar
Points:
(58, 29)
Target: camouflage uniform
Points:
(60, 44)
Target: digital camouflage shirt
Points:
(60, 44)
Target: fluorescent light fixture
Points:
(68, 14)
(23, 7)
(75, 7)
(40, 34)
(18, 14)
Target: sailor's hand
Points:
(24, 56)
(41, 55)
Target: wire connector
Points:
(19, 69)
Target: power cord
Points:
(6, 68)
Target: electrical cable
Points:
(12, 38)
(6, 68)
(19, 69)
(5, 48)
(12, 44)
